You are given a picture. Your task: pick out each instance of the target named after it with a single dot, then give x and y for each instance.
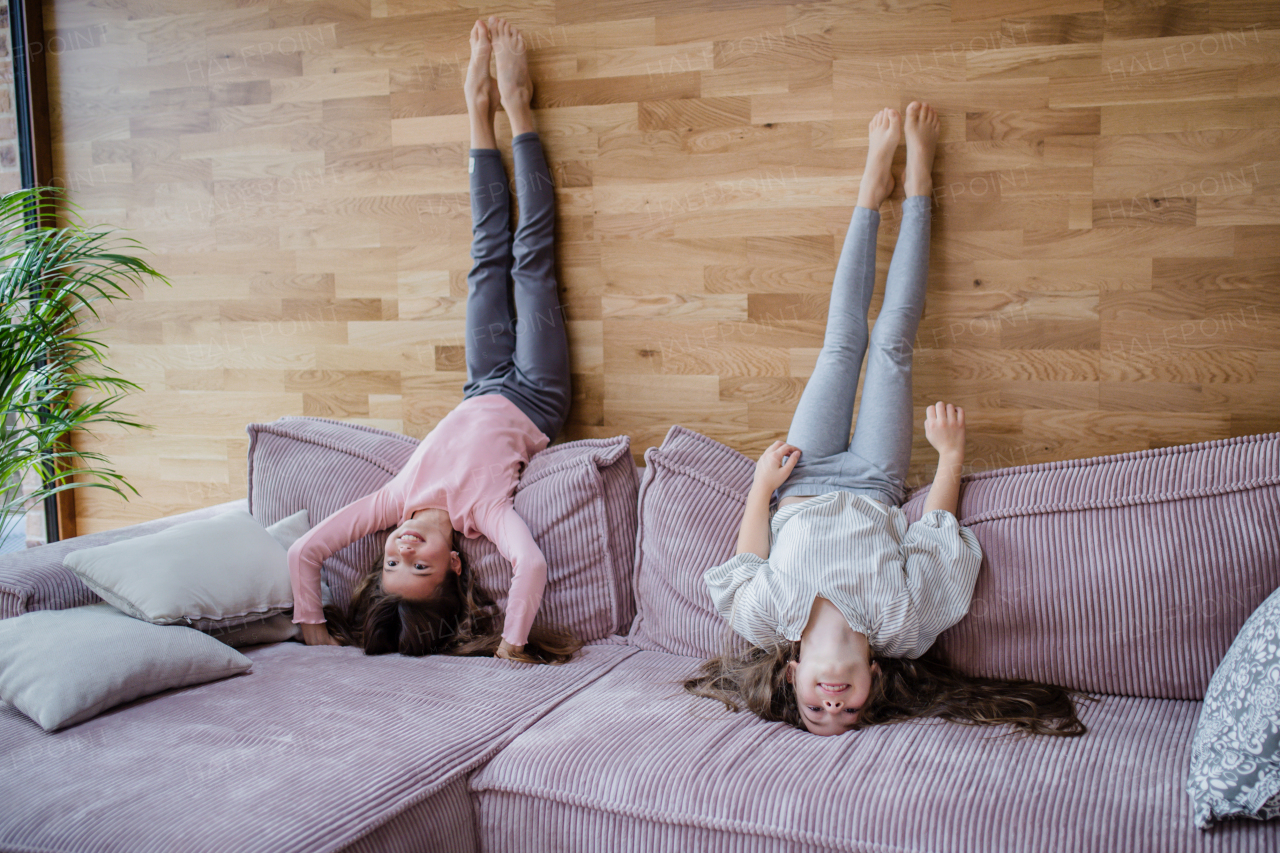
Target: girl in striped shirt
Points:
(837, 594)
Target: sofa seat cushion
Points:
(578, 499)
(634, 763)
(318, 748)
(1125, 575)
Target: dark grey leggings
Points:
(876, 460)
(516, 344)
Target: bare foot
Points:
(885, 131)
(480, 89)
(922, 129)
(514, 85)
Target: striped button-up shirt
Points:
(899, 585)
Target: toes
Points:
(480, 38)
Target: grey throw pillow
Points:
(288, 530)
(1235, 754)
(61, 667)
(273, 629)
(213, 574)
(279, 627)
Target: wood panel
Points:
(1105, 274)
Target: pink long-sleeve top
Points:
(468, 466)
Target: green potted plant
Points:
(53, 381)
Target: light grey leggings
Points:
(516, 344)
(875, 461)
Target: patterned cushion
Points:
(578, 499)
(1235, 755)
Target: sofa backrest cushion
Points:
(691, 500)
(578, 499)
(1126, 574)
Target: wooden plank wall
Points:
(1106, 256)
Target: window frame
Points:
(35, 160)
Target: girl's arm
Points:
(771, 472)
(508, 531)
(373, 512)
(944, 427)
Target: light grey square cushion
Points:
(61, 667)
(216, 573)
(280, 627)
(1235, 754)
(288, 530)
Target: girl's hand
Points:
(506, 651)
(317, 635)
(944, 427)
(772, 471)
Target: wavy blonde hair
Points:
(756, 680)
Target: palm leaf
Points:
(53, 379)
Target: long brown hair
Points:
(459, 619)
(904, 690)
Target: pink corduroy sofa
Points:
(1126, 576)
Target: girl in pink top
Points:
(460, 479)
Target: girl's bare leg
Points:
(883, 134)
(921, 127)
(480, 89)
(514, 86)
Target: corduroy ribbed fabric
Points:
(443, 823)
(35, 579)
(315, 749)
(577, 498)
(635, 764)
(691, 500)
(321, 466)
(1126, 574)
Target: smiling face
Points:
(829, 695)
(417, 557)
